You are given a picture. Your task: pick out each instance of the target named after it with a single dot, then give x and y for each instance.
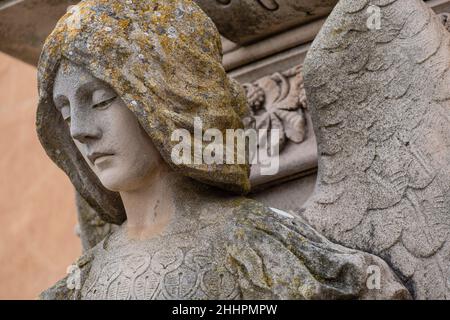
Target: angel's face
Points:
(105, 131)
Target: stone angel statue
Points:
(116, 79)
(380, 100)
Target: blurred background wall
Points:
(37, 211)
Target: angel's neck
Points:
(150, 208)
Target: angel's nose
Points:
(84, 130)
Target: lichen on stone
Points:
(140, 48)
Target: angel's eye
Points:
(104, 104)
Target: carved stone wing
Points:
(380, 101)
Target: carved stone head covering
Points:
(163, 58)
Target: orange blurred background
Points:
(37, 210)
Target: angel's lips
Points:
(98, 156)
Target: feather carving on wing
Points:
(380, 104)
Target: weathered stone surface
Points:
(276, 101)
(210, 244)
(249, 20)
(257, 57)
(381, 110)
(25, 24)
(141, 61)
(37, 217)
(446, 20)
(222, 247)
(279, 102)
(23, 37)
